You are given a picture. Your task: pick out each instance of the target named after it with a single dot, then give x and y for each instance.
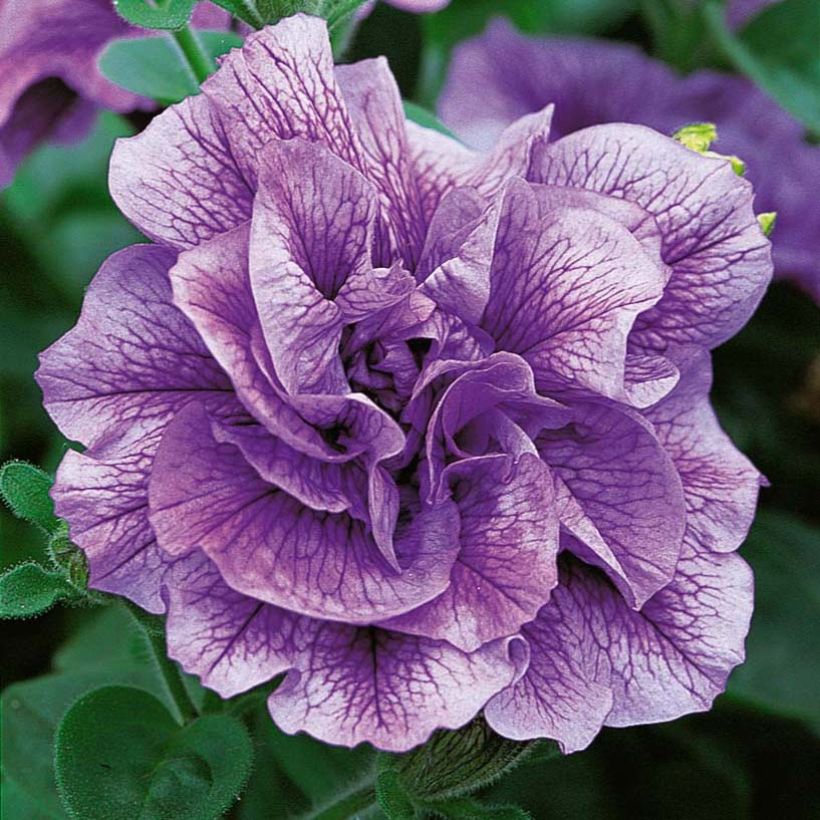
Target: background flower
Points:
(594, 82)
(50, 85)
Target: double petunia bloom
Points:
(423, 429)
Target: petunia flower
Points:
(50, 85)
(593, 82)
(423, 430)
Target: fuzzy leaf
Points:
(392, 797)
(109, 649)
(457, 763)
(248, 11)
(25, 490)
(164, 14)
(119, 748)
(28, 590)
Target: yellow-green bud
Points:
(766, 221)
(698, 136)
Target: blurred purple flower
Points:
(592, 82)
(424, 428)
(50, 86)
(415, 6)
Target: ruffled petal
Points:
(312, 232)
(374, 105)
(621, 503)
(565, 290)
(230, 641)
(720, 484)
(268, 545)
(588, 650)
(358, 684)
(132, 360)
(178, 180)
(103, 494)
(506, 565)
(106, 503)
(720, 259)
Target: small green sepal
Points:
(767, 221)
(698, 136)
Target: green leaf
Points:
(421, 116)
(780, 50)
(573, 786)
(28, 590)
(25, 489)
(270, 792)
(119, 754)
(456, 763)
(161, 14)
(110, 648)
(782, 665)
(317, 769)
(154, 67)
(465, 808)
(15, 804)
(339, 12)
(259, 13)
(392, 797)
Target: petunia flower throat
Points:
(424, 429)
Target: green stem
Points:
(169, 671)
(347, 807)
(200, 63)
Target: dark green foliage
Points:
(28, 590)
(25, 489)
(780, 50)
(785, 555)
(456, 763)
(465, 808)
(392, 797)
(118, 750)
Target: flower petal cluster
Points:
(424, 430)
(594, 82)
(50, 85)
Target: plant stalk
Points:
(195, 55)
(169, 671)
